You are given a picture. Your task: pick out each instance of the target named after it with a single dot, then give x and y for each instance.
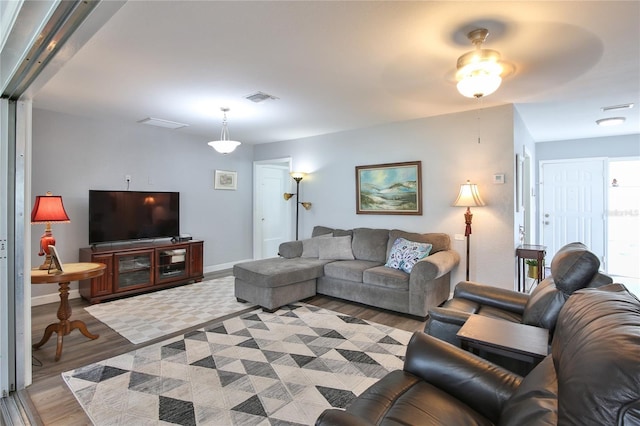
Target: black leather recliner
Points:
(591, 377)
(572, 268)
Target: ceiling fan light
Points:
(477, 85)
(479, 72)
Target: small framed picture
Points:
(225, 179)
(56, 263)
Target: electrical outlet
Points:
(458, 237)
(127, 178)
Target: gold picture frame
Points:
(392, 188)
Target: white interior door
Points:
(573, 204)
(272, 214)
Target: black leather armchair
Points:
(591, 377)
(572, 268)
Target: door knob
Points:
(546, 215)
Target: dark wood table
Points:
(529, 251)
(72, 272)
(514, 340)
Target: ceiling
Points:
(341, 65)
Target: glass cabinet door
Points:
(133, 270)
(171, 264)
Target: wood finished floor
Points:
(53, 403)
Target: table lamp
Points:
(468, 197)
(47, 209)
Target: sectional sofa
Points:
(377, 267)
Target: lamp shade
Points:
(224, 146)
(469, 196)
(49, 208)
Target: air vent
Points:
(615, 107)
(258, 97)
(158, 122)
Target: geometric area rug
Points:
(156, 314)
(258, 368)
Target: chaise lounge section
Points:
(361, 265)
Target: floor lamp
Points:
(468, 197)
(297, 176)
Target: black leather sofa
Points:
(573, 267)
(591, 377)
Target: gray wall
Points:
(74, 154)
(610, 147)
(450, 153)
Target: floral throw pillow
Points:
(405, 254)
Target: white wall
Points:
(450, 153)
(74, 154)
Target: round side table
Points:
(72, 272)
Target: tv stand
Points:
(141, 267)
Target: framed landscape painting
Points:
(394, 188)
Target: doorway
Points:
(623, 219)
(597, 202)
(572, 205)
(271, 214)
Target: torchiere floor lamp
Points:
(468, 197)
(297, 176)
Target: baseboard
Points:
(223, 266)
(53, 298)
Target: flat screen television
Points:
(132, 215)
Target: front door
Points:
(573, 204)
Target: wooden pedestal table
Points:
(72, 272)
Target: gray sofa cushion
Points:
(311, 246)
(438, 240)
(370, 244)
(290, 249)
(349, 270)
(321, 230)
(335, 248)
(383, 276)
(278, 271)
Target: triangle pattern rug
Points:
(281, 368)
(146, 317)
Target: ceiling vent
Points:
(258, 97)
(158, 122)
(615, 107)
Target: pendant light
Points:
(479, 71)
(224, 145)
